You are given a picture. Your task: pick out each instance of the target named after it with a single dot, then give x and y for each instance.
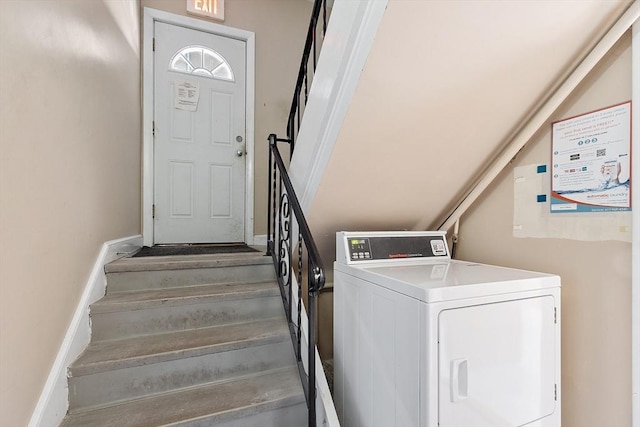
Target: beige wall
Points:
(444, 85)
(280, 27)
(69, 172)
(596, 276)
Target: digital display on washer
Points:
(378, 248)
(359, 249)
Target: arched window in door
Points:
(201, 61)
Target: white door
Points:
(496, 363)
(199, 136)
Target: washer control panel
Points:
(362, 247)
(359, 248)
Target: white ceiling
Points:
(446, 83)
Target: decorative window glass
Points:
(201, 61)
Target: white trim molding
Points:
(260, 240)
(150, 17)
(635, 225)
(326, 414)
(351, 32)
(54, 399)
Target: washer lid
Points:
(452, 279)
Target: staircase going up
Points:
(188, 341)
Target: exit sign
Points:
(209, 8)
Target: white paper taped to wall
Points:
(186, 95)
(531, 216)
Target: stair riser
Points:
(142, 280)
(148, 321)
(289, 416)
(107, 387)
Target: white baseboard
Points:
(54, 399)
(260, 240)
(326, 414)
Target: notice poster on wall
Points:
(591, 161)
(186, 95)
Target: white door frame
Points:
(151, 16)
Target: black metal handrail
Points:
(280, 222)
(310, 46)
(280, 229)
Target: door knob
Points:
(239, 153)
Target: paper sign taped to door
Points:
(186, 95)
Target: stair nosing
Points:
(275, 403)
(106, 305)
(241, 411)
(185, 262)
(280, 333)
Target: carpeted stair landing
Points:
(188, 341)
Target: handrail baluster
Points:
(282, 232)
(280, 219)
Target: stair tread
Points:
(214, 402)
(115, 301)
(129, 352)
(179, 262)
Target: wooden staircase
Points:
(195, 340)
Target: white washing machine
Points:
(424, 340)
